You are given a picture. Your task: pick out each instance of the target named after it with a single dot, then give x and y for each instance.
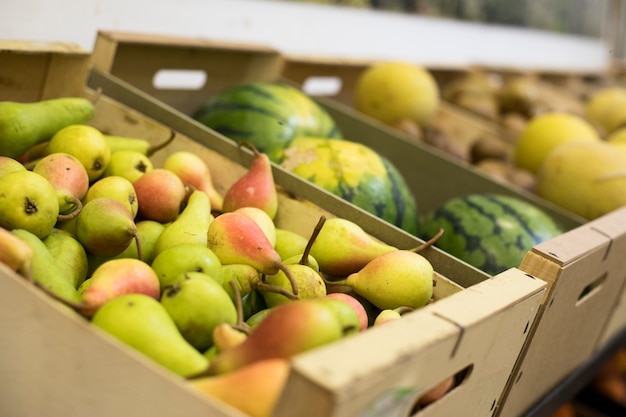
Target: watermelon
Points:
(356, 173)
(491, 232)
(269, 115)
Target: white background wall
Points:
(304, 29)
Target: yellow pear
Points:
(598, 106)
(545, 132)
(586, 178)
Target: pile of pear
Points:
(204, 284)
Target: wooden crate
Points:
(60, 365)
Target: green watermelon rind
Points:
(492, 232)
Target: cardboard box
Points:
(422, 167)
(60, 365)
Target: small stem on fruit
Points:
(250, 146)
(262, 286)
(429, 242)
(73, 213)
(138, 243)
(241, 325)
(316, 231)
(290, 277)
(155, 148)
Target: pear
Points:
(286, 330)
(160, 194)
(244, 277)
(344, 312)
(355, 304)
(386, 315)
(45, 271)
(24, 125)
(84, 142)
(310, 284)
(303, 259)
(254, 319)
(262, 219)
(342, 247)
(226, 336)
(194, 171)
(436, 392)
(28, 201)
(69, 254)
(114, 278)
(586, 178)
(140, 145)
(143, 323)
(394, 279)
(289, 243)
(256, 188)
(117, 188)
(191, 225)
(263, 382)
(105, 227)
(236, 239)
(8, 165)
(128, 164)
(69, 179)
(197, 305)
(16, 254)
(173, 263)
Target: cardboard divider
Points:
(52, 351)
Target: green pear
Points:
(394, 279)
(172, 264)
(16, 254)
(386, 315)
(300, 326)
(191, 225)
(87, 144)
(143, 323)
(105, 227)
(117, 188)
(342, 247)
(289, 243)
(193, 170)
(114, 278)
(263, 383)
(308, 260)
(68, 177)
(8, 165)
(45, 270)
(254, 319)
(24, 125)
(244, 277)
(262, 219)
(69, 254)
(140, 145)
(197, 305)
(237, 239)
(128, 164)
(28, 201)
(310, 284)
(256, 188)
(345, 313)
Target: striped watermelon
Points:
(492, 232)
(269, 115)
(356, 173)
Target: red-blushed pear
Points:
(286, 330)
(264, 221)
(105, 227)
(395, 279)
(237, 239)
(8, 164)
(436, 392)
(192, 170)
(116, 187)
(262, 382)
(69, 179)
(160, 194)
(16, 254)
(256, 188)
(114, 278)
(226, 336)
(356, 306)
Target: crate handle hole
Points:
(440, 390)
(591, 288)
(179, 79)
(325, 86)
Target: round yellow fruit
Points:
(391, 91)
(599, 104)
(586, 178)
(545, 132)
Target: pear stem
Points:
(241, 325)
(290, 277)
(158, 147)
(138, 243)
(316, 231)
(263, 286)
(430, 242)
(73, 213)
(250, 146)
